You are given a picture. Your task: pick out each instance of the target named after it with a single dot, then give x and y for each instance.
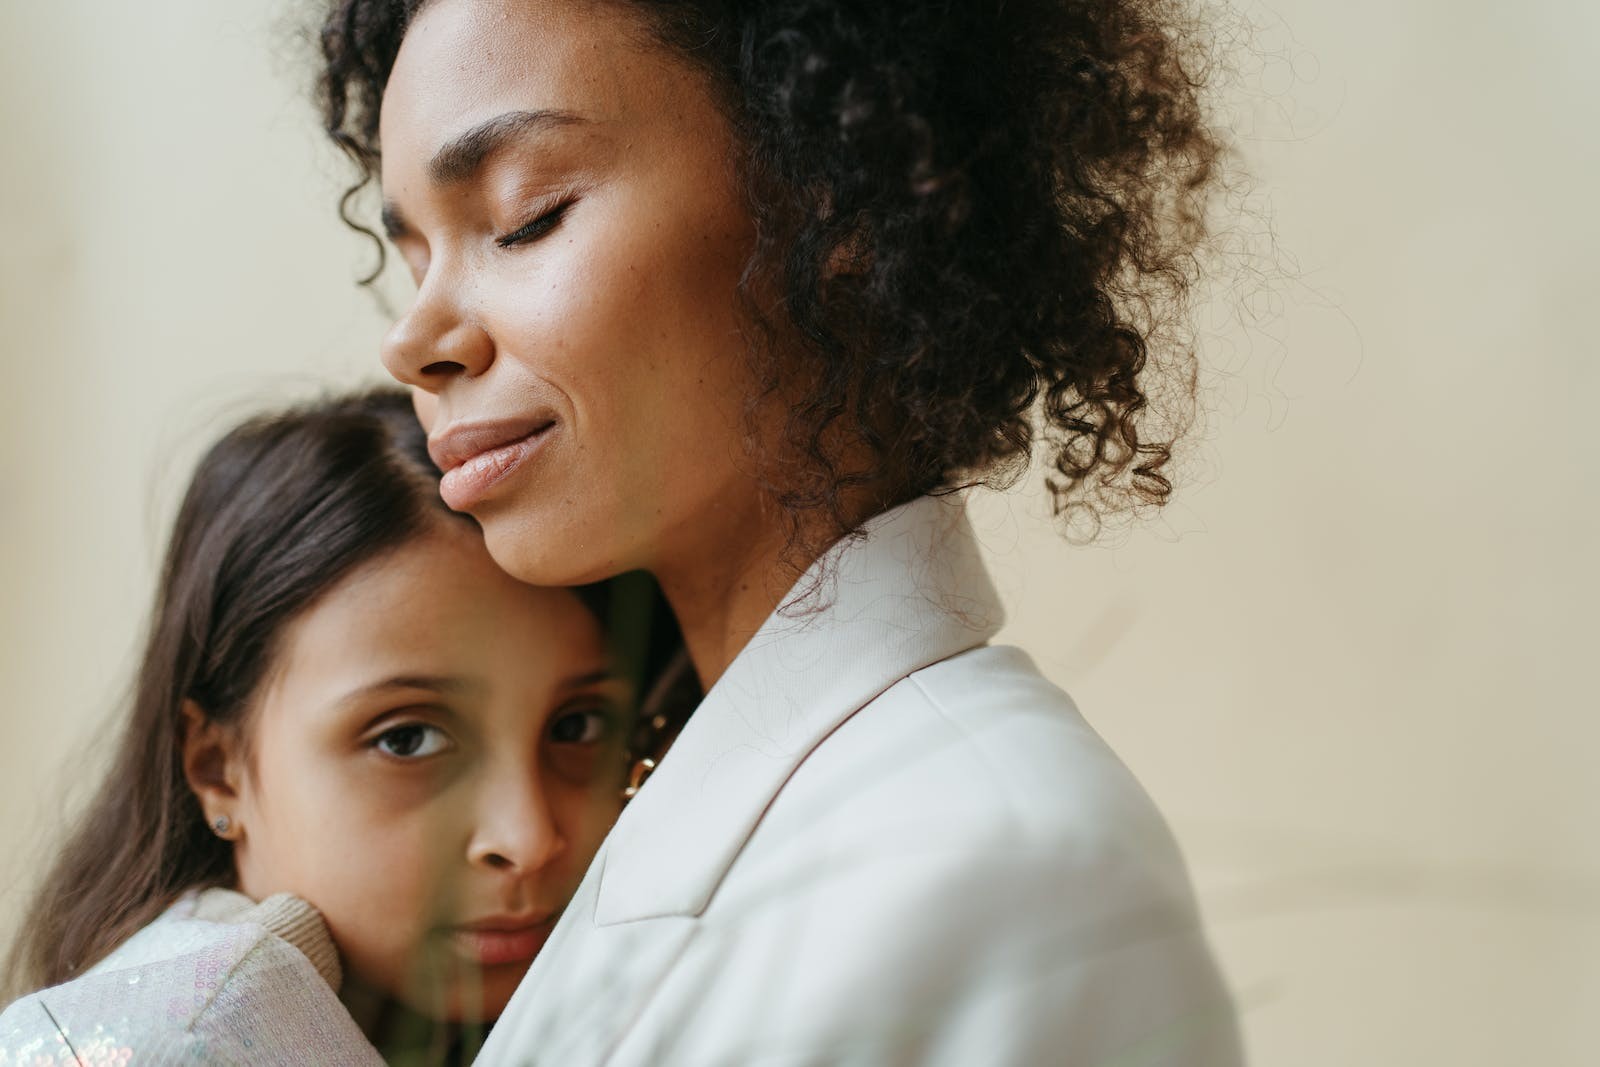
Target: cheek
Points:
(576, 313)
(292, 792)
(585, 815)
(367, 864)
(633, 331)
(629, 318)
(380, 887)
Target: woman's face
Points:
(434, 761)
(563, 190)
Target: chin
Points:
(475, 1004)
(550, 554)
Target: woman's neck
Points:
(733, 576)
(722, 595)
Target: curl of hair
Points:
(980, 218)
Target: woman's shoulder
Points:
(210, 977)
(965, 854)
(981, 753)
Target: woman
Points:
(737, 294)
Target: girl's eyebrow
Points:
(438, 683)
(599, 676)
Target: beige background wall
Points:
(1354, 662)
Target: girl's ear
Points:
(212, 764)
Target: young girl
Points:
(363, 766)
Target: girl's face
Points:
(564, 192)
(433, 762)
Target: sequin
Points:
(188, 990)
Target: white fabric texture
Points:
(881, 841)
(215, 979)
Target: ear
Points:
(213, 765)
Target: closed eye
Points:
(535, 228)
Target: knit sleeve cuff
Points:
(284, 915)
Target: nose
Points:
(516, 830)
(434, 343)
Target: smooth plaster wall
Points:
(1353, 662)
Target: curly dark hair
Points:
(982, 220)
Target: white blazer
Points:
(880, 840)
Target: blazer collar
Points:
(907, 590)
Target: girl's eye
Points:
(535, 229)
(412, 741)
(582, 726)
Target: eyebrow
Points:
(437, 683)
(594, 677)
(450, 685)
(463, 155)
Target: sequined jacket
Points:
(216, 979)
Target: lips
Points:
(500, 941)
(475, 457)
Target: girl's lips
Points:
(488, 947)
(469, 482)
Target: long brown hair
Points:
(277, 512)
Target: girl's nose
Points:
(434, 343)
(516, 831)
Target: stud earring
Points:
(221, 824)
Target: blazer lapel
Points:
(586, 986)
(909, 590)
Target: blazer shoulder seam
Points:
(1014, 805)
